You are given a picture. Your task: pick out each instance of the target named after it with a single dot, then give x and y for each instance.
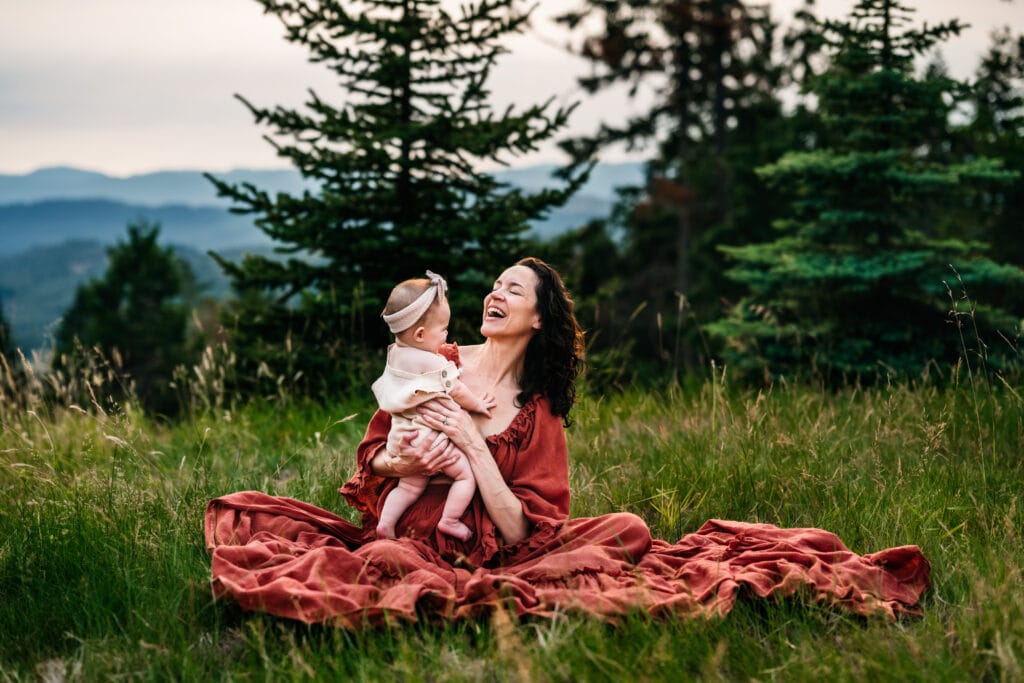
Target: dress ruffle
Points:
(517, 430)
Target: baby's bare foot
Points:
(455, 528)
(385, 531)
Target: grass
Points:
(103, 573)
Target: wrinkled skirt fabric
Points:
(294, 560)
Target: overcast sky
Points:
(128, 86)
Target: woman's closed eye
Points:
(512, 289)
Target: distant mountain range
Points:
(54, 221)
(190, 188)
(53, 205)
(55, 224)
(147, 189)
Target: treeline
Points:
(822, 201)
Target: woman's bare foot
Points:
(453, 528)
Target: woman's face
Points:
(510, 310)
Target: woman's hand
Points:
(445, 416)
(405, 456)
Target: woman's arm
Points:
(503, 507)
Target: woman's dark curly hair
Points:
(554, 356)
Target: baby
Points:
(417, 313)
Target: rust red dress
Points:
(292, 559)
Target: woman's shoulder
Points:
(542, 408)
(459, 353)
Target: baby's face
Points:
(435, 327)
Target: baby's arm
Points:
(470, 401)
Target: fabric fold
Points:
(293, 560)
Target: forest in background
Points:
(820, 203)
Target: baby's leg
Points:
(397, 502)
(459, 496)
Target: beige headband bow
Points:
(403, 319)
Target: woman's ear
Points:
(536, 324)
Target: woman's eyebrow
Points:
(512, 283)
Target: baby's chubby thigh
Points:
(460, 470)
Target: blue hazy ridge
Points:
(55, 225)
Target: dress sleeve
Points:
(451, 352)
(540, 480)
(364, 489)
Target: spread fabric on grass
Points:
(292, 559)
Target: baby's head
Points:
(417, 312)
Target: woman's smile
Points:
(512, 304)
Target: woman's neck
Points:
(499, 363)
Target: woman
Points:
(529, 361)
(294, 560)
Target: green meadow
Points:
(104, 574)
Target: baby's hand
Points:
(487, 404)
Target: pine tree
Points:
(714, 70)
(6, 340)
(11, 374)
(135, 312)
(854, 284)
(397, 182)
(997, 129)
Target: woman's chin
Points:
(491, 326)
